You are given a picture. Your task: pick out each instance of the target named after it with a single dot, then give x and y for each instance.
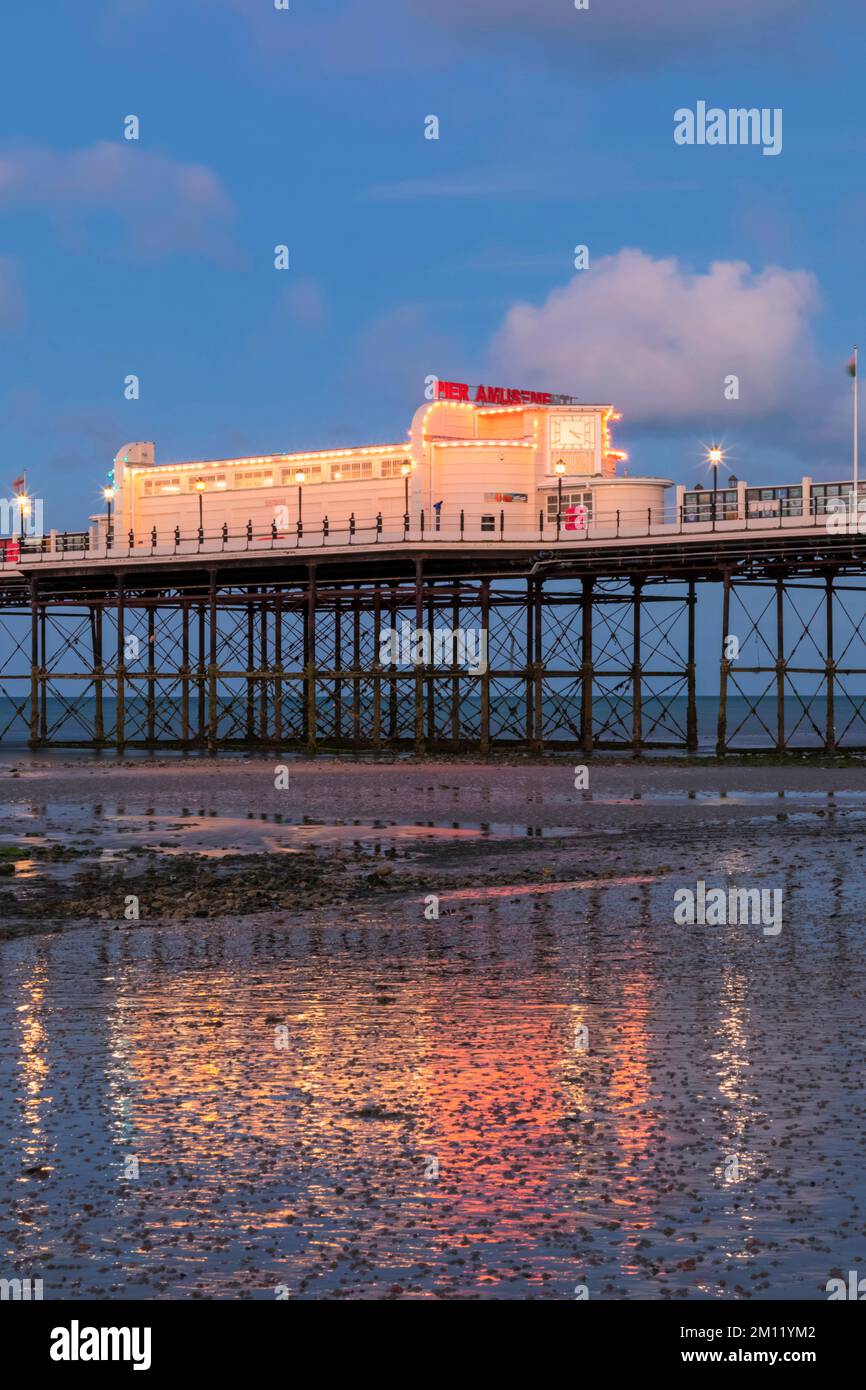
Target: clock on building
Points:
(572, 431)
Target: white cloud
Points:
(658, 340)
(167, 206)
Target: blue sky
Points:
(411, 256)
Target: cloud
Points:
(167, 206)
(304, 304)
(624, 35)
(11, 298)
(659, 340)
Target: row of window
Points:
(351, 470)
(569, 499)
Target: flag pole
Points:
(856, 431)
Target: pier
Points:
(220, 641)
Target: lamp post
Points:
(405, 469)
(559, 469)
(199, 487)
(715, 457)
(23, 510)
(108, 494)
(300, 477)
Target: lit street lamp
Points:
(559, 469)
(715, 457)
(108, 494)
(199, 487)
(300, 478)
(405, 469)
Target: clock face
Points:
(572, 431)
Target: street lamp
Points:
(715, 457)
(199, 487)
(559, 469)
(300, 478)
(405, 469)
(108, 494)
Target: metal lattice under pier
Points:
(592, 652)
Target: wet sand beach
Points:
(294, 1070)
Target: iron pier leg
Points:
(419, 676)
(201, 676)
(356, 666)
(310, 660)
(120, 733)
(636, 672)
(213, 710)
(263, 663)
(98, 672)
(780, 665)
(338, 664)
(278, 669)
(586, 736)
(184, 672)
(830, 668)
(724, 670)
(377, 667)
(34, 664)
(485, 674)
(151, 676)
(393, 689)
(251, 664)
(455, 680)
(691, 681)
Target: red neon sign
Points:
(499, 395)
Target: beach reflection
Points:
(540, 1088)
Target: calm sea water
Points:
(664, 720)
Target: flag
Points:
(852, 365)
(18, 484)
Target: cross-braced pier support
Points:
(420, 652)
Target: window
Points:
(392, 468)
(488, 523)
(311, 474)
(155, 487)
(351, 470)
(257, 477)
(210, 480)
(569, 499)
